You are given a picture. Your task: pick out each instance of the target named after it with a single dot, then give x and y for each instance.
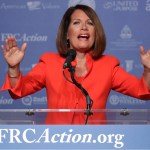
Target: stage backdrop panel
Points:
(126, 23)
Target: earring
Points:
(68, 43)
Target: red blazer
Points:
(103, 75)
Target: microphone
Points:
(71, 55)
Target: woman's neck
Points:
(81, 69)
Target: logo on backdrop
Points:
(126, 32)
(124, 100)
(122, 5)
(25, 37)
(130, 65)
(29, 100)
(125, 41)
(36, 5)
(90, 3)
(5, 101)
(5, 6)
(114, 100)
(147, 8)
(30, 5)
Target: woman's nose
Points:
(84, 26)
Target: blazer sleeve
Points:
(28, 84)
(128, 84)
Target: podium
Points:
(113, 116)
(121, 129)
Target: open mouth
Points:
(83, 36)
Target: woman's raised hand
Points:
(145, 57)
(12, 54)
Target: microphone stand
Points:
(89, 101)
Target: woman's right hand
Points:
(12, 54)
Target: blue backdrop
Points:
(126, 23)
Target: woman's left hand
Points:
(145, 57)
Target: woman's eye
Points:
(90, 23)
(76, 22)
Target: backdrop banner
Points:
(126, 23)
